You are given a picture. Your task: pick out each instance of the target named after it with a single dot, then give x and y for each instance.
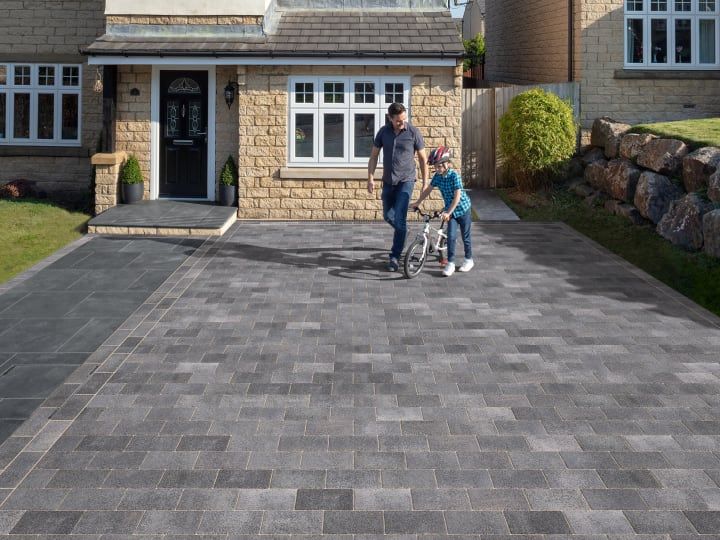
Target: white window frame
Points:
(348, 109)
(58, 90)
(670, 16)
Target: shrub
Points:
(17, 189)
(130, 172)
(474, 52)
(229, 174)
(537, 137)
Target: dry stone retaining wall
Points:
(656, 181)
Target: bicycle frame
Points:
(431, 236)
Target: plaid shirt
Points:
(448, 185)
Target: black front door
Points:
(183, 140)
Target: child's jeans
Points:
(464, 222)
(396, 200)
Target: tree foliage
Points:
(474, 52)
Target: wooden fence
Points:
(482, 109)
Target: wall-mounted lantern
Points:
(229, 92)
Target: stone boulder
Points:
(594, 154)
(621, 178)
(633, 143)
(664, 156)
(699, 166)
(711, 233)
(713, 191)
(607, 134)
(683, 223)
(653, 195)
(595, 174)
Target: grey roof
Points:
(311, 33)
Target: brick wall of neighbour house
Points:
(53, 31)
(132, 133)
(526, 40)
(226, 122)
(263, 142)
(631, 100)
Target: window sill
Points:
(44, 151)
(326, 173)
(678, 74)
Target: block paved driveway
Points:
(280, 383)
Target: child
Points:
(457, 207)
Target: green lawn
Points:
(32, 230)
(696, 133)
(695, 275)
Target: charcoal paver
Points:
(282, 383)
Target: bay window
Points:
(333, 120)
(40, 104)
(672, 34)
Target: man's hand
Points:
(370, 185)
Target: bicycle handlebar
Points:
(434, 215)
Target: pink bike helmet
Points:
(441, 154)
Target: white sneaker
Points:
(466, 266)
(449, 269)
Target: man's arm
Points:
(372, 165)
(424, 169)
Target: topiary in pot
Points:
(228, 182)
(537, 137)
(132, 182)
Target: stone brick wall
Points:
(53, 31)
(263, 143)
(226, 122)
(133, 116)
(631, 100)
(526, 40)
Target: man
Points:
(399, 141)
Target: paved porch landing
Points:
(165, 218)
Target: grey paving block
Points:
(598, 522)
(628, 478)
(440, 499)
(150, 499)
(705, 522)
(542, 522)
(106, 522)
(263, 499)
(227, 522)
(292, 522)
(169, 522)
(485, 523)
(41, 522)
(416, 522)
(324, 499)
(662, 522)
(498, 499)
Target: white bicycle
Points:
(429, 241)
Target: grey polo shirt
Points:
(399, 152)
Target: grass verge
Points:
(694, 275)
(32, 230)
(695, 133)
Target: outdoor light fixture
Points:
(98, 86)
(229, 92)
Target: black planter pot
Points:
(132, 193)
(227, 195)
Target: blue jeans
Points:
(464, 222)
(396, 200)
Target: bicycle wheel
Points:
(415, 259)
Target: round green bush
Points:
(229, 173)
(537, 136)
(130, 172)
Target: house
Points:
(636, 60)
(51, 119)
(473, 21)
(294, 90)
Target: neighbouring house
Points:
(473, 21)
(636, 60)
(50, 115)
(294, 90)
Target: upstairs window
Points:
(672, 34)
(40, 104)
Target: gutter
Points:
(571, 41)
